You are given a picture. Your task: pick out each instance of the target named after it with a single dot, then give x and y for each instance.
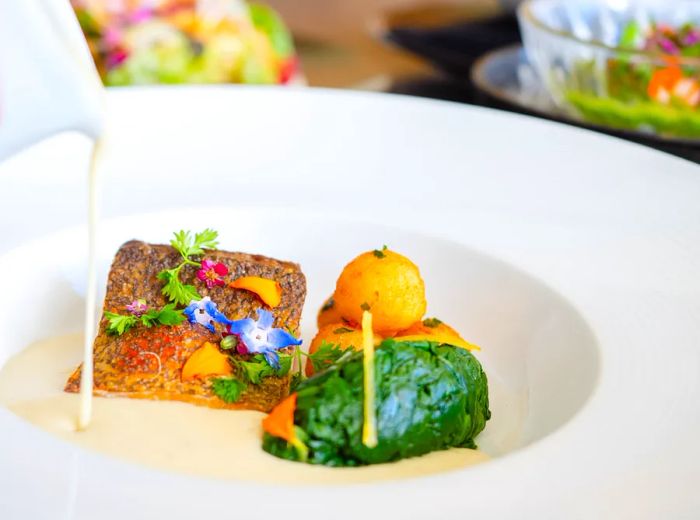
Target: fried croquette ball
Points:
(387, 284)
(328, 313)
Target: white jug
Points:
(48, 81)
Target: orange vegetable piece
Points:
(207, 360)
(280, 421)
(269, 291)
(662, 83)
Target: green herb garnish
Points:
(257, 368)
(365, 306)
(228, 389)
(121, 323)
(379, 253)
(326, 354)
(188, 247)
(342, 330)
(432, 322)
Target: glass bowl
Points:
(615, 63)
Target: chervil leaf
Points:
(182, 242)
(206, 239)
(119, 324)
(188, 246)
(228, 389)
(169, 316)
(150, 318)
(326, 354)
(175, 290)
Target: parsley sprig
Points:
(121, 323)
(188, 246)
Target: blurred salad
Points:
(659, 91)
(136, 42)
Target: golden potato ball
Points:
(387, 284)
(328, 313)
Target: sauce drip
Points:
(86, 383)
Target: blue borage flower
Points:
(258, 337)
(205, 312)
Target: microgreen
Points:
(188, 246)
(121, 323)
(380, 253)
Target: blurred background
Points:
(468, 51)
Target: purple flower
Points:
(137, 307)
(258, 337)
(205, 312)
(692, 37)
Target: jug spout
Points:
(48, 81)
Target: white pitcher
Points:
(48, 81)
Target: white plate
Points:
(611, 227)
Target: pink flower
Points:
(137, 307)
(212, 273)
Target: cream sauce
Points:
(175, 436)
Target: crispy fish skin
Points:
(146, 363)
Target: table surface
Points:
(353, 48)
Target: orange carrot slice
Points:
(280, 421)
(207, 360)
(269, 291)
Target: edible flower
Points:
(212, 273)
(137, 307)
(205, 312)
(259, 337)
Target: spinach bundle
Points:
(429, 396)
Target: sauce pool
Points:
(175, 436)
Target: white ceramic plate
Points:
(571, 257)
